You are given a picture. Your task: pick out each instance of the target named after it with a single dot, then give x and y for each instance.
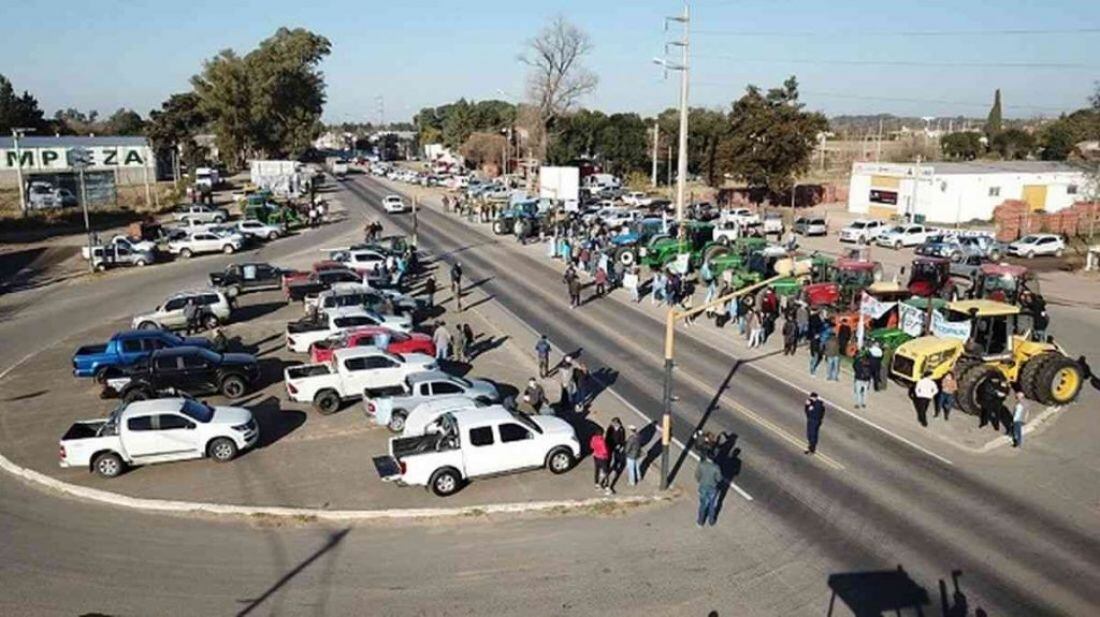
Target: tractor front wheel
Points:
(1059, 381)
(970, 381)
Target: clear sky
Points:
(413, 53)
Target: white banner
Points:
(870, 307)
(910, 319)
(950, 329)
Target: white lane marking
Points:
(18, 364)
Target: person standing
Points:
(923, 392)
(565, 379)
(832, 358)
(601, 282)
(632, 451)
(802, 319)
(580, 384)
(991, 396)
(709, 477)
(875, 356)
(756, 329)
(632, 284)
(191, 316)
(601, 457)
(456, 278)
(442, 339)
(816, 352)
(573, 284)
(790, 336)
(948, 389)
(429, 290)
(534, 395)
(863, 378)
(1019, 419)
(460, 344)
(615, 437)
(542, 351)
(815, 416)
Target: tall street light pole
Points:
(666, 420)
(81, 158)
(656, 142)
(16, 135)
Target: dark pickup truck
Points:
(239, 278)
(298, 286)
(189, 370)
(125, 349)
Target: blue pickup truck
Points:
(126, 348)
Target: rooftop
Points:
(72, 141)
(1002, 167)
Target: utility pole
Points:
(668, 165)
(80, 158)
(416, 238)
(878, 145)
(656, 142)
(16, 135)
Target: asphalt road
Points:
(878, 506)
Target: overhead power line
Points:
(896, 33)
(912, 63)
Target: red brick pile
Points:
(1014, 219)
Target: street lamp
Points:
(18, 133)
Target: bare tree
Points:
(557, 79)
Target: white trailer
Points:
(561, 184)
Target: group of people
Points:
(615, 450)
(457, 346)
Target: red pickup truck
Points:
(414, 342)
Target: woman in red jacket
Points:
(601, 456)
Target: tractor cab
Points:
(1003, 283)
(931, 276)
(993, 324)
(846, 278)
(692, 239)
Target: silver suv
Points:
(214, 304)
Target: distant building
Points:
(959, 192)
(115, 161)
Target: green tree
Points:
(994, 122)
(175, 125)
(124, 122)
(962, 146)
(577, 136)
(1056, 142)
(622, 144)
(1012, 144)
(18, 111)
(770, 138)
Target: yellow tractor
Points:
(1041, 370)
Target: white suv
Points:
(214, 304)
(393, 204)
(206, 242)
(862, 231)
(903, 235)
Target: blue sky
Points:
(414, 53)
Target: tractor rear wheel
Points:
(970, 381)
(1029, 375)
(627, 256)
(715, 251)
(1059, 381)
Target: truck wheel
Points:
(228, 249)
(101, 375)
(211, 322)
(108, 465)
(445, 482)
(219, 219)
(559, 461)
(101, 267)
(147, 325)
(234, 386)
(1059, 381)
(397, 420)
(185, 253)
(969, 383)
(233, 291)
(1029, 375)
(897, 245)
(222, 450)
(327, 402)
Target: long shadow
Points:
(599, 381)
(876, 592)
(333, 540)
(23, 397)
(486, 344)
(275, 422)
(271, 371)
(728, 459)
(477, 283)
(487, 298)
(249, 312)
(703, 421)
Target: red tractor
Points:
(930, 277)
(843, 283)
(1003, 283)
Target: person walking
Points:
(534, 395)
(456, 278)
(601, 282)
(191, 316)
(923, 392)
(542, 351)
(460, 344)
(875, 356)
(802, 319)
(442, 339)
(574, 287)
(756, 329)
(615, 437)
(949, 388)
(601, 457)
(815, 416)
(429, 291)
(631, 284)
(580, 384)
(565, 379)
(832, 358)
(864, 375)
(632, 451)
(1019, 419)
(709, 477)
(790, 336)
(817, 352)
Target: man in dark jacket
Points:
(456, 278)
(864, 375)
(815, 415)
(574, 285)
(709, 477)
(790, 336)
(534, 395)
(429, 291)
(991, 395)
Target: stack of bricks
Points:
(1014, 219)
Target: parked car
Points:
(201, 214)
(158, 431)
(136, 247)
(253, 276)
(214, 304)
(903, 235)
(191, 370)
(393, 204)
(392, 408)
(351, 371)
(301, 334)
(126, 348)
(1038, 244)
(477, 443)
(370, 336)
(360, 260)
(986, 246)
(941, 245)
(258, 230)
(637, 199)
(742, 216)
(44, 196)
(206, 242)
(423, 417)
(119, 255)
(862, 231)
(773, 224)
(360, 294)
(811, 226)
(300, 285)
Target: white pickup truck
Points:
(349, 373)
(158, 431)
(307, 331)
(475, 443)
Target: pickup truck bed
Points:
(305, 325)
(83, 430)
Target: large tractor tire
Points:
(499, 228)
(627, 256)
(1059, 381)
(970, 381)
(715, 251)
(1029, 375)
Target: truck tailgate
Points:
(388, 468)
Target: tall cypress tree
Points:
(993, 123)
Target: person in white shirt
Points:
(1019, 419)
(923, 393)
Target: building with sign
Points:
(114, 161)
(949, 192)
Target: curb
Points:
(165, 506)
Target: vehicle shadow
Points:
(275, 422)
(876, 592)
(249, 312)
(271, 372)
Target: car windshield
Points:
(200, 412)
(858, 225)
(897, 229)
(1003, 282)
(1029, 240)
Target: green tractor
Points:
(696, 240)
(271, 214)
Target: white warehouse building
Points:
(960, 192)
